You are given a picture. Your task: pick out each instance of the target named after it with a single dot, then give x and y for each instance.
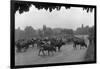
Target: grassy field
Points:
(67, 54)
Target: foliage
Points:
(29, 33)
(82, 30)
(67, 31)
(23, 6)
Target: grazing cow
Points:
(48, 49)
(57, 43)
(46, 46)
(21, 45)
(80, 42)
(18, 47)
(30, 43)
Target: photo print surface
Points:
(53, 33)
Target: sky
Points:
(71, 18)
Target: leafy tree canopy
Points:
(23, 6)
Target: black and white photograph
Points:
(46, 33)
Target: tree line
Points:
(29, 32)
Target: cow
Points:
(80, 42)
(48, 49)
(58, 43)
(46, 46)
(22, 45)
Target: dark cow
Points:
(21, 46)
(80, 42)
(46, 46)
(30, 43)
(58, 43)
(48, 49)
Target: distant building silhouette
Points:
(44, 27)
(82, 26)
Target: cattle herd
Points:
(49, 45)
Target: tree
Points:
(40, 33)
(19, 34)
(29, 32)
(23, 6)
(48, 32)
(67, 31)
(82, 30)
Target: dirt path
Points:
(67, 54)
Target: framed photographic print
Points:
(52, 34)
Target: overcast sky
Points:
(70, 18)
